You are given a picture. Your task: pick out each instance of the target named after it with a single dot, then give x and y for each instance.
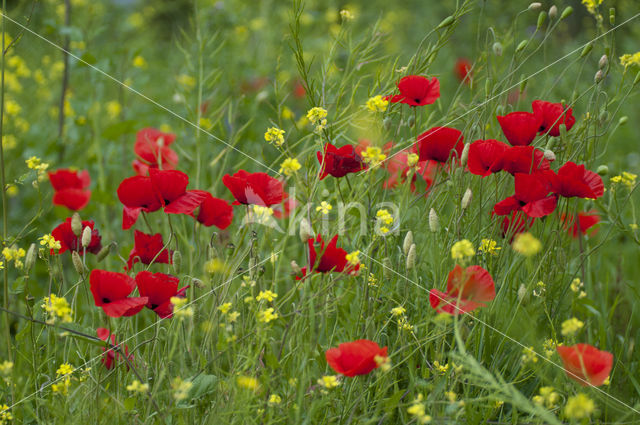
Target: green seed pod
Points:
(497, 48)
(542, 17)
(602, 170)
(76, 224)
(612, 16)
(604, 116)
(408, 241)
(77, 262)
(566, 12)
(176, 261)
(446, 22)
(521, 46)
(523, 83)
(623, 120)
(411, 257)
(30, 259)
(586, 50)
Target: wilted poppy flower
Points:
(355, 358)
(159, 288)
(486, 157)
(585, 221)
(112, 354)
(338, 162)
(520, 128)
(69, 241)
(214, 211)
(575, 181)
(524, 159)
(462, 69)
(148, 249)
(416, 90)
(331, 258)
(473, 285)
(439, 144)
(254, 188)
(71, 188)
(552, 114)
(530, 196)
(152, 149)
(585, 363)
(111, 291)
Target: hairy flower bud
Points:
(295, 268)
(604, 61)
(602, 170)
(434, 221)
(77, 262)
(76, 224)
(549, 155)
(553, 12)
(521, 45)
(465, 155)
(306, 232)
(497, 48)
(535, 6)
(86, 237)
(566, 12)
(542, 17)
(30, 259)
(408, 241)
(598, 77)
(176, 261)
(466, 198)
(411, 257)
(102, 254)
(387, 269)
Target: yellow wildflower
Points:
(579, 406)
(318, 117)
(139, 62)
(224, 308)
(324, 207)
(266, 295)
(5, 414)
(266, 316)
(441, 369)
(274, 399)
(489, 246)
(526, 244)
(353, 258)
(547, 398)
(137, 387)
(462, 249)
(247, 382)
(289, 166)
(328, 381)
(398, 311)
(180, 388)
(591, 5)
(57, 307)
(571, 326)
(377, 104)
(383, 362)
(113, 109)
(529, 356)
(274, 135)
(373, 156)
(346, 15)
(6, 367)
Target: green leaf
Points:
(202, 384)
(18, 286)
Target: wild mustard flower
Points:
(266, 295)
(274, 399)
(630, 59)
(6, 367)
(377, 104)
(547, 397)
(462, 250)
(274, 135)
(440, 368)
(324, 207)
(139, 62)
(592, 5)
(50, 242)
(137, 387)
(62, 387)
(489, 246)
(383, 362)
(113, 109)
(224, 308)
(187, 81)
(318, 117)
(627, 179)
(267, 315)
(579, 406)
(346, 15)
(529, 355)
(261, 214)
(571, 326)
(418, 411)
(549, 345)
(233, 316)
(526, 244)
(412, 159)
(14, 254)
(398, 311)
(215, 265)
(247, 382)
(290, 166)
(5, 414)
(180, 388)
(328, 381)
(373, 156)
(57, 308)
(353, 258)
(180, 310)
(539, 289)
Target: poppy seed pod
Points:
(411, 257)
(30, 259)
(466, 198)
(86, 236)
(177, 261)
(434, 221)
(553, 12)
(604, 61)
(497, 49)
(535, 6)
(76, 224)
(408, 241)
(77, 262)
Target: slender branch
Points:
(65, 79)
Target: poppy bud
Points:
(408, 241)
(386, 123)
(102, 254)
(566, 12)
(76, 224)
(549, 155)
(602, 170)
(563, 131)
(465, 155)
(522, 292)
(623, 120)
(446, 22)
(604, 117)
(535, 6)
(466, 198)
(30, 259)
(86, 237)
(411, 257)
(587, 49)
(521, 46)
(604, 61)
(550, 143)
(306, 232)
(411, 121)
(197, 283)
(598, 77)
(542, 16)
(497, 49)
(434, 221)
(325, 193)
(77, 262)
(387, 268)
(177, 261)
(523, 83)
(553, 12)
(612, 16)
(295, 268)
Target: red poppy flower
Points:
(473, 285)
(331, 258)
(112, 354)
(520, 128)
(162, 189)
(582, 225)
(416, 90)
(552, 114)
(339, 162)
(399, 170)
(71, 188)
(152, 149)
(215, 212)
(111, 291)
(486, 157)
(254, 188)
(69, 241)
(148, 249)
(575, 181)
(439, 144)
(524, 159)
(284, 209)
(462, 69)
(514, 223)
(530, 196)
(159, 288)
(585, 363)
(355, 358)
(298, 89)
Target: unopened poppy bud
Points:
(522, 292)
(604, 61)
(586, 50)
(604, 116)
(549, 155)
(102, 254)
(295, 268)
(523, 83)
(408, 241)
(386, 123)
(465, 155)
(563, 131)
(497, 49)
(550, 143)
(176, 261)
(77, 262)
(197, 283)
(466, 198)
(521, 46)
(542, 16)
(446, 22)
(30, 259)
(499, 110)
(76, 224)
(566, 12)
(387, 268)
(535, 6)
(86, 237)
(602, 170)
(434, 221)
(598, 77)
(306, 232)
(411, 257)
(612, 16)
(623, 120)
(325, 193)
(553, 12)
(411, 121)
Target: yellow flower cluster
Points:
(274, 399)
(577, 287)
(35, 163)
(630, 59)
(373, 156)
(398, 311)
(180, 309)
(592, 5)
(224, 308)
(440, 368)
(138, 387)
(412, 159)
(385, 219)
(318, 117)
(274, 135)
(247, 382)
(462, 250)
(417, 410)
(346, 15)
(383, 362)
(489, 246)
(571, 326)
(353, 258)
(215, 265)
(627, 179)
(50, 242)
(180, 388)
(324, 207)
(290, 166)
(266, 295)
(6, 367)
(5, 414)
(328, 381)
(57, 308)
(579, 406)
(377, 104)
(14, 254)
(267, 315)
(529, 355)
(64, 370)
(547, 397)
(526, 244)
